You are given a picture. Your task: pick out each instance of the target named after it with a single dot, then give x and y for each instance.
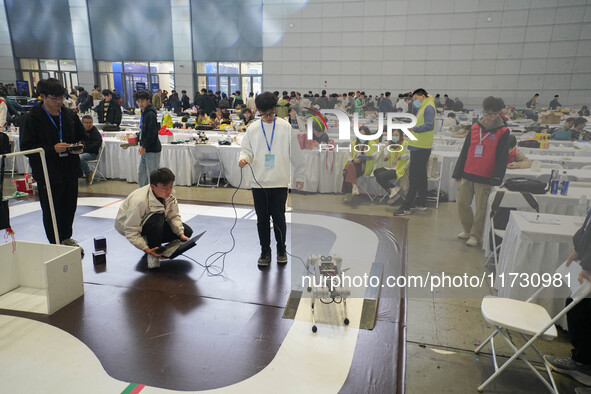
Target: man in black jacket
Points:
(385, 104)
(578, 365)
(55, 128)
(149, 142)
(84, 101)
(92, 146)
(554, 103)
(185, 104)
(108, 110)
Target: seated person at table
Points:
(482, 164)
(450, 121)
(108, 110)
(579, 125)
(202, 118)
(226, 118)
(320, 135)
(361, 163)
(395, 158)
(149, 216)
(584, 111)
(516, 159)
(247, 118)
(214, 120)
(91, 147)
(564, 133)
(578, 365)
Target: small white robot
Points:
(324, 288)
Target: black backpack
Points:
(529, 144)
(526, 185)
(500, 215)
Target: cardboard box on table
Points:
(39, 278)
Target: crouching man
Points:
(150, 216)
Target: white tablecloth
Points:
(534, 248)
(578, 175)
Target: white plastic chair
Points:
(93, 165)
(510, 200)
(530, 321)
(434, 174)
(207, 156)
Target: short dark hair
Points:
(245, 110)
(50, 86)
(388, 94)
(512, 142)
(265, 101)
(204, 90)
(238, 92)
(106, 92)
(213, 115)
(437, 95)
(183, 91)
(494, 104)
(420, 92)
(162, 175)
(225, 115)
(579, 121)
(142, 95)
(555, 96)
(570, 120)
(87, 117)
(201, 112)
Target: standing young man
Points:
(54, 128)
(149, 142)
(108, 110)
(420, 150)
(269, 145)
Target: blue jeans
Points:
(149, 162)
(84, 158)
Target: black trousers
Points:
(65, 201)
(157, 230)
(270, 203)
(417, 176)
(579, 329)
(385, 177)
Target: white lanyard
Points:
(482, 139)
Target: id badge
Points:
(478, 151)
(269, 160)
(63, 154)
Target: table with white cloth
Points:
(533, 247)
(549, 203)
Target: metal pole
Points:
(47, 184)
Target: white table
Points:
(577, 175)
(534, 248)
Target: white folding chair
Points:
(530, 321)
(519, 201)
(93, 166)
(434, 174)
(207, 157)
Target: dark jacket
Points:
(237, 102)
(582, 243)
(458, 105)
(85, 101)
(93, 142)
(554, 104)
(449, 103)
(37, 131)
(207, 103)
(185, 102)
(501, 155)
(149, 130)
(113, 114)
(386, 105)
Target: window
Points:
(228, 77)
(32, 70)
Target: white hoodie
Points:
(138, 207)
(285, 149)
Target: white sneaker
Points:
(463, 235)
(153, 262)
(394, 191)
(472, 242)
(355, 190)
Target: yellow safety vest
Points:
(401, 164)
(372, 148)
(425, 139)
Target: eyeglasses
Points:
(55, 98)
(491, 114)
(268, 114)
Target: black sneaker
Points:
(402, 212)
(568, 366)
(265, 259)
(281, 258)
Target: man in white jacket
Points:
(270, 146)
(150, 216)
